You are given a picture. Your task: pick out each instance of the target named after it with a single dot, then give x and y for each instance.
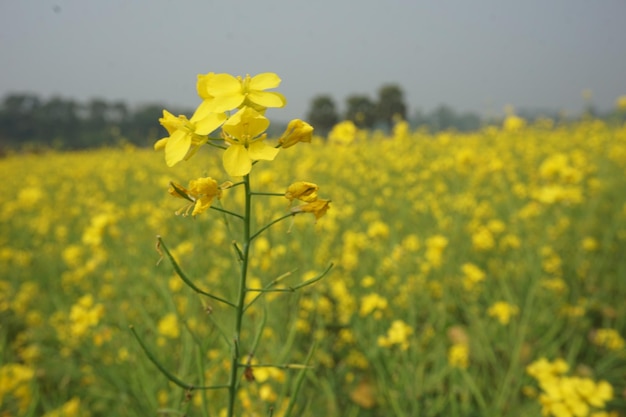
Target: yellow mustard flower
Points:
(343, 133)
(398, 334)
(244, 133)
(503, 311)
(201, 193)
(224, 92)
(302, 190)
(168, 326)
(297, 131)
(458, 355)
(186, 135)
(608, 338)
(317, 207)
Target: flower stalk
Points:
(236, 105)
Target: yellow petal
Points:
(202, 84)
(169, 122)
(264, 81)
(260, 150)
(209, 123)
(203, 110)
(267, 99)
(222, 85)
(237, 161)
(160, 144)
(177, 147)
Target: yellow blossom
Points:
(224, 92)
(398, 334)
(244, 133)
(168, 326)
(503, 311)
(186, 135)
(608, 338)
(458, 355)
(343, 133)
(372, 304)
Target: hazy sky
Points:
(472, 55)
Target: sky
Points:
(471, 55)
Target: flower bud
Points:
(297, 131)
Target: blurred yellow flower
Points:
(168, 326)
(343, 133)
(373, 304)
(458, 356)
(244, 133)
(503, 311)
(398, 334)
(608, 338)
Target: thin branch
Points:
(168, 374)
(181, 274)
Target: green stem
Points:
(270, 224)
(270, 194)
(233, 381)
(239, 216)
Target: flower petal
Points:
(260, 150)
(177, 147)
(264, 81)
(267, 98)
(237, 161)
(209, 123)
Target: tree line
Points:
(28, 121)
(383, 112)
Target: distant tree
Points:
(390, 104)
(57, 122)
(323, 114)
(17, 120)
(468, 122)
(442, 118)
(361, 110)
(145, 128)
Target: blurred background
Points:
(90, 72)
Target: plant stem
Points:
(236, 354)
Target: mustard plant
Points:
(235, 108)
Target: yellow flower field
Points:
(477, 274)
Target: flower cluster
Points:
(568, 396)
(237, 105)
(243, 132)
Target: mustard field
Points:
(478, 274)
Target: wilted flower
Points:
(317, 207)
(201, 193)
(302, 190)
